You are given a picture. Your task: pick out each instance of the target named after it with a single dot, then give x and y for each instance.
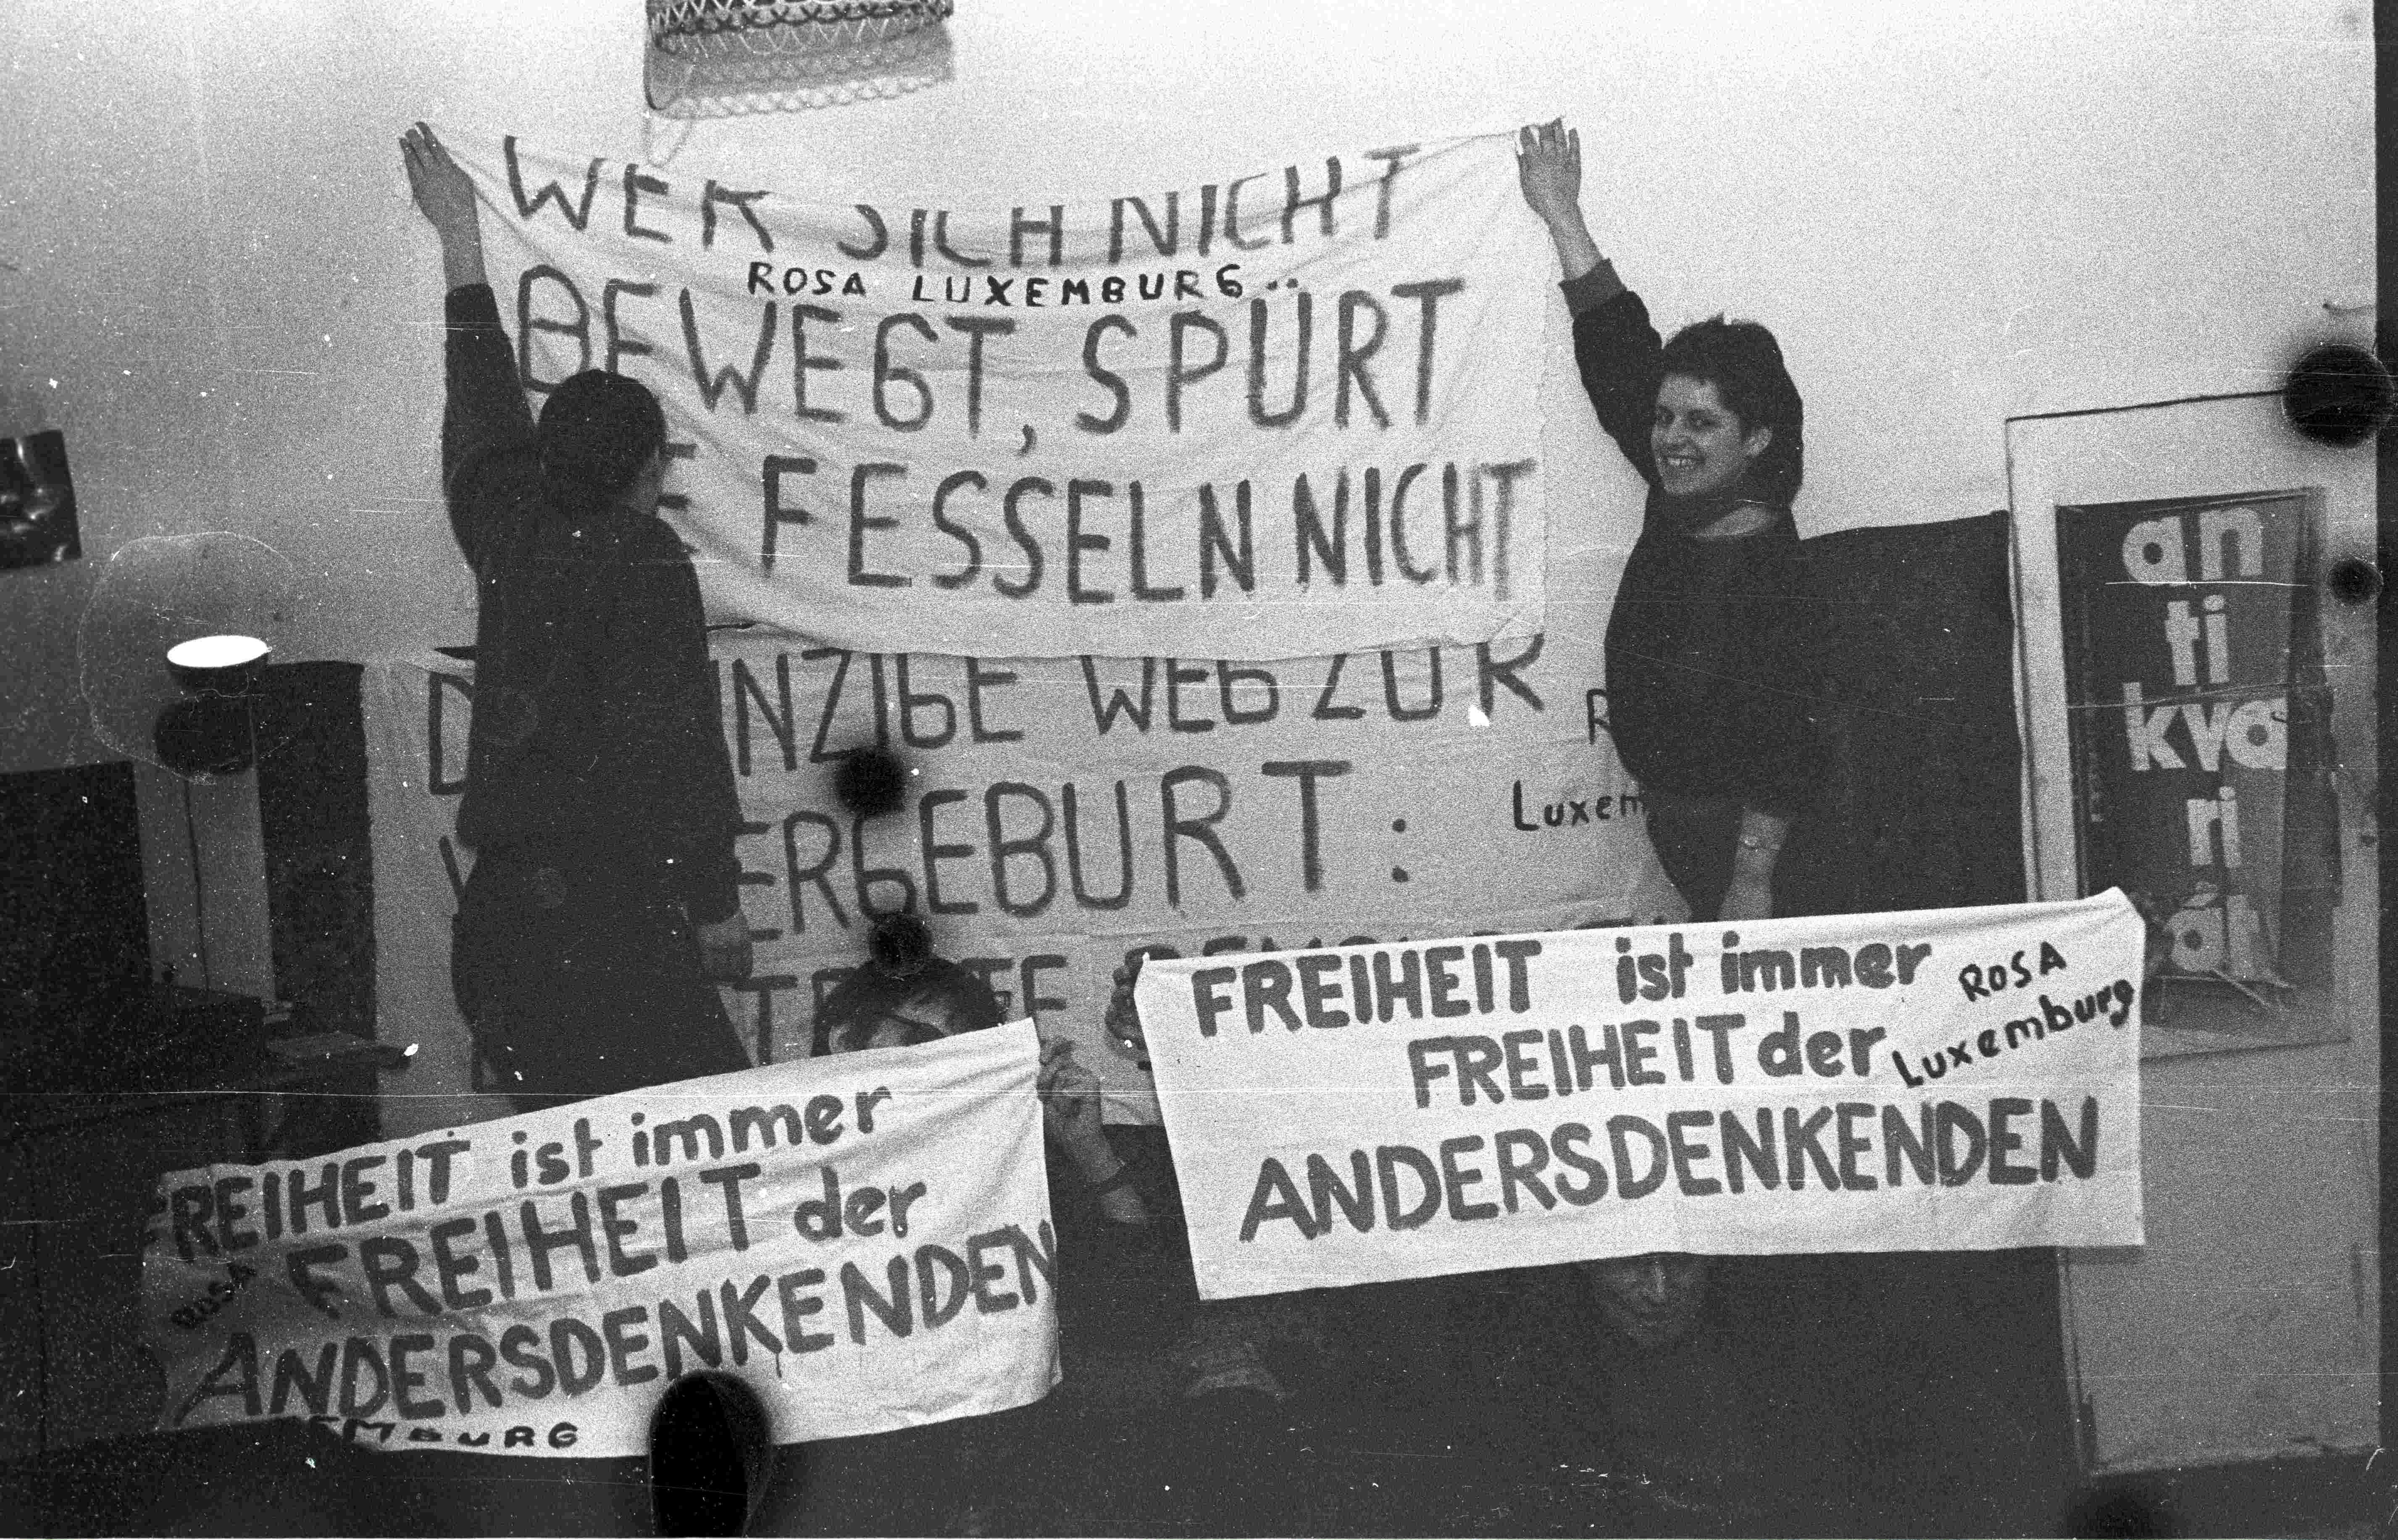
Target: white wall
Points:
(214, 284)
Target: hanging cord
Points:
(199, 892)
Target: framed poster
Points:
(2196, 707)
(2182, 642)
(2201, 735)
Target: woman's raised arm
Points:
(1615, 346)
(1548, 166)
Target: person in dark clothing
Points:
(1707, 646)
(968, 1476)
(599, 803)
(1623, 1398)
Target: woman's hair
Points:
(596, 431)
(1743, 362)
(876, 986)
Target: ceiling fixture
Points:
(721, 58)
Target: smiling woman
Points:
(1708, 665)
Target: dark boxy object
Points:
(130, 1036)
(37, 507)
(215, 732)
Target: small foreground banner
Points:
(864, 1241)
(1962, 1079)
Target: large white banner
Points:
(1283, 415)
(864, 1241)
(1934, 1080)
(1061, 813)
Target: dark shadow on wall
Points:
(312, 808)
(1920, 806)
(74, 922)
(1952, 1364)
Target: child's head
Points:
(1652, 1300)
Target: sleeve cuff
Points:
(1592, 289)
(470, 303)
(712, 892)
(1787, 799)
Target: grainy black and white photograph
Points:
(1148, 768)
(37, 508)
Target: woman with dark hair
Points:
(1707, 651)
(882, 1006)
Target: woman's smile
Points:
(1698, 441)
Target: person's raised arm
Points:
(1548, 166)
(446, 199)
(488, 466)
(1070, 1110)
(1615, 348)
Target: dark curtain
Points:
(312, 808)
(1920, 806)
(73, 919)
(1951, 1365)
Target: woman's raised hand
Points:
(1548, 164)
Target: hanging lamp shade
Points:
(721, 58)
(222, 665)
(171, 644)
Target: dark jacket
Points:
(1734, 1429)
(596, 743)
(1709, 644)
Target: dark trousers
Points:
(1693, 838)
(576, 982)
(967, 1475)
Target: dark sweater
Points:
(1708, 646)
(595, 742)
(1734, 1429)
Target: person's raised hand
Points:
(1122, 1019)
(442, 191)
(1069, 1097)
(1070, 1111)
(1548, 166)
